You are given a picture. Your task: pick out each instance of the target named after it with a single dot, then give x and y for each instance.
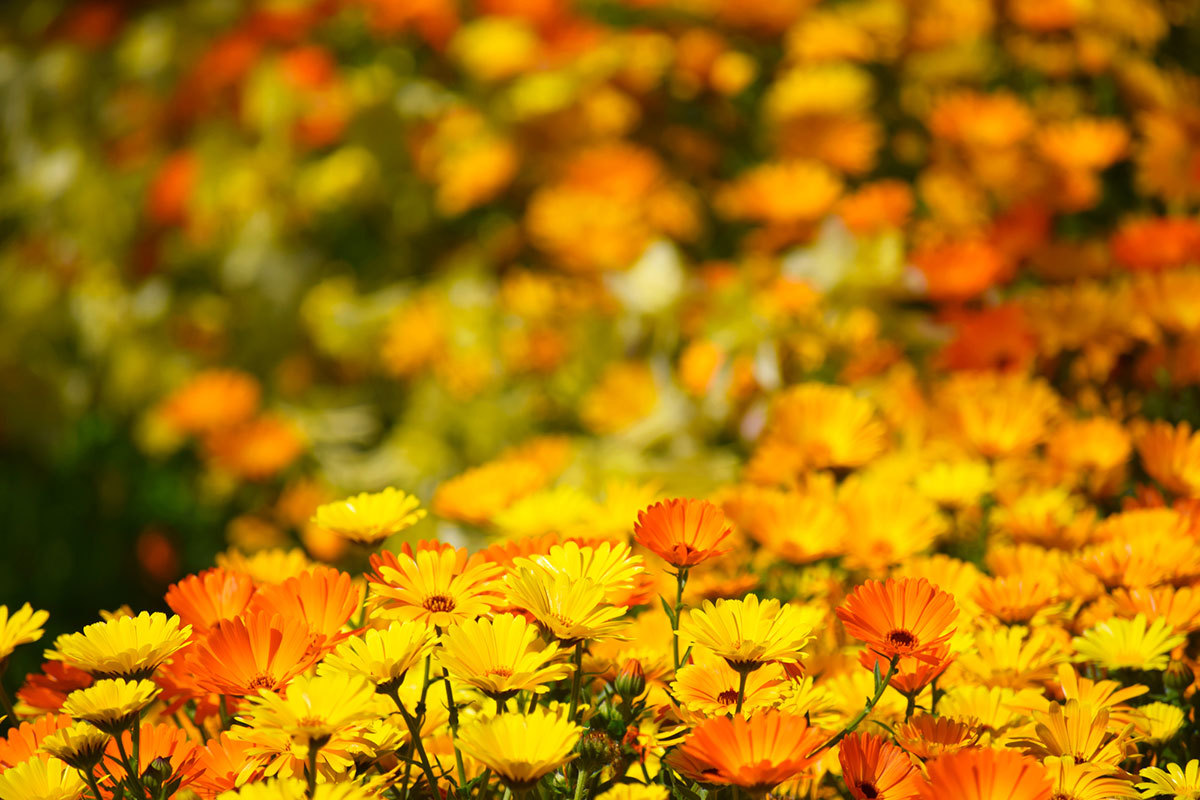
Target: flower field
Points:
(600, 399)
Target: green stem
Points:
(414, 733)
(680, 582)
(420, 709)
(132, 779)
(580, 784)
(854, 723)
(910, 706)
(453, 709)
(741, 697)
(311, 772)
(90, 776)
(937, 695)
(577, 681)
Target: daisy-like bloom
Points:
(569, 610)
(48, 690)
(385, 656)
(521, 748)
(782, 193)
(314, 708)
(266, 566)
(1180, 607)
(112, 704)
(205, 599)
(1015, 599)
(1159, 722)
(256, 651)
(683, 532)
(163, 741)
(439, 586)
(124, 647)
(927, 736)
(26, 739)
(500, 656)
(1121, 643)
(1015, 656)
(982, 774)
(212, 400)
(1083, 782)
(255, 450)
(710, 687)
(224, 763)
(758, 753)
(41, 779)
(875, 769)
(1171, 454)
(827, 426)
(369, 518)
(81, 745)
(1174, 781)
(22, 626)
(324, 597)
(609, 564)
(998, 415)
(749, 633)
(1079, 732)
(912, 675)
(900, 617)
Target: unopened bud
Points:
(597, 750)
(157, 772)
(631, 680)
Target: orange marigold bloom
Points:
(323, 597)
(48, 690)
(253, 652)
(1083, 143)
(877, 206)
(1015, 599)
(159, 741)
(982, 774)
(683, 532)
(900, 617)
(211, 401)
(223, 763)
(1180, 607)
(478, 494)
(1171, 454)
(875, 769)
(979, 120)
(996, 338)
(23, 742)
(1156, 244)
(756, 754)
(255, 450)
(959, 270)
(781, 193)
(205, 599)
(826, 426)
(927, 736)
(439, 587)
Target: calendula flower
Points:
(81, 745)
(212, 400)
(711, 687)
(111, 704)
(159, 743)
(683, 532)
(500, 656)
(323, 597)
(1079, 732)
(41, 779)
(982, 774)
(1171, 454)
(749, 633)
(1084, 782)
(758, 753)
(384, 656)
(22, 626)
(521, 748)
(826, 426)
(314, 708)
(1159, 722)
(1174, 781)
(569, 610)
(439, 586)
(1122, 643)
(25, 740)
(927, 736)
(608, 564)
(899, 617)
(875, 769)
(258, 651)
(369, 518)
(128, 647)
(215, 594)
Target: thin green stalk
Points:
(311, 772)
(910, 706)
(937, 695)
(741, 698)
(414, 733)
(89, 775)
(577, 681)
(854, 723)
(453, 709)
(680, 582)
(580, 784)
(132, 778)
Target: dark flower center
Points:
(727, 697)
(262, 680)
(439, 603)
(503, 672)
(901, 639)
(868, 789)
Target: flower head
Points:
(570, 610)
(521, 748)
(384, 656)
(81, 745)
(758, 753)
(313, 709)
(1122, 643)
(500, 656)
(875, 769)
(129, 647)
(20, 627)
(439, 586)
(749, 633)
(682, 532)
(900, 617)
(982, 774)
(111, 704)
(1174, 781)
(41, 779)
(369, 518)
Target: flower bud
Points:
(596, 751)
(631, 680)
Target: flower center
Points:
(727, 697)
(503, 672)
(901, 639)
(439, 603)
(868, 790)
(263, 680)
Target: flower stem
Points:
(577, 681)
(311, 772)
(910, 706)
(90, 776)
(854, 723)
(132, 779)
(580, 784)
(414, 733)
(453, 709)
(741, 697)
(680, 582)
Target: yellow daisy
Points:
(1173, 781)
(124, 647)
(1122, 643)
(20, 627)
(113, 704)
(500, 656)
(369, 518)
(571, 610)
(521, 748)
(610, 564)
(41, 779)
(81, 745)
(383, 656)
(749, 633)
(315, 708)
(1159, 722)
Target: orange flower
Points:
(877, 207)
(786, 193)
(23, 742)
(1171, 455)
(211, 401)
(900, 617)
(257, 651)
(959, 270)
(159, 741)
(205, 599)
(912, 674)
(48, 690)
(927, 736)
(756, 754)
(683, 532)
(1156, 244)
(994, 339)
(222, 761)
(255, 450)
(875, 769)
(437, 586)
(979, 774)
(323, 597)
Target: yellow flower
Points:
(1085, 782)
(609, 564)
(128, 647)
(571, 610)
(1159, 722)
(1120, 643)
(41, 779)
(313, 709)
(749, 633)
(369, 518)
(1172, 781)
(81, 745)
(635, 791)
(436, 586)
(500, 656)
(1080, 732)
(521, 748)
(710, 687)
(112, 704)
(296, 789)
(21, 627)
(956, 484)
(383, 656)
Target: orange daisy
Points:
(211, 401)
(927, 736)
(48, 690)
(875, 769)
(980, 774)
(324, 597)
(245, 655)
(900, 617)
(683, 532)
(756, 754)
(23, 742)
(224, 762)
(159, 741)
(205, 599)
